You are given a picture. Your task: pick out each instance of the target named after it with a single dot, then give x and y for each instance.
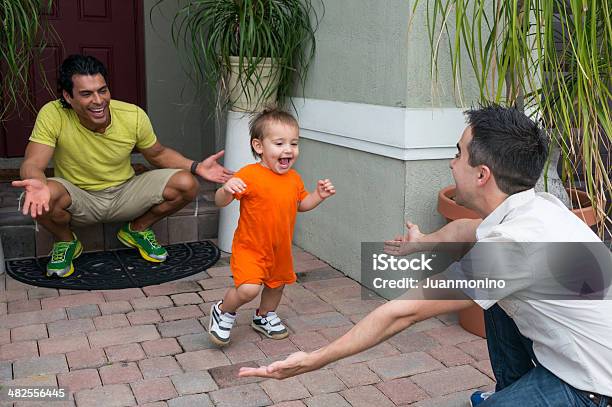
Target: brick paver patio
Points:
(149, 347)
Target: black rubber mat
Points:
(117, 269)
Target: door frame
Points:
(141, 76)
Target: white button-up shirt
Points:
(571, 338)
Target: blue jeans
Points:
(521, 380)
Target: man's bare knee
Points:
(60, 198)
(181, 184)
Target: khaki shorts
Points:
(122, 203)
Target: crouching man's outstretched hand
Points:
(295, 364)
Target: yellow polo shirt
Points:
(93, 161)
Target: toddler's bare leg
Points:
(235, 297)
(270, 298)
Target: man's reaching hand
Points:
(403, 245)
(295, 364)
(211, 170)
(36, 198)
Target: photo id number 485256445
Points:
(38, 393)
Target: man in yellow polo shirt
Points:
(90, 138)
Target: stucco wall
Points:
(180, 118)
(423, 181)
(361, 53)
(421, 91)
(376, 52)
(368, 205)
(375, 195)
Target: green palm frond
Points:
(21, 41)
(552, 58)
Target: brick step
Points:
(10, 216)
(20, 239)
(8, 195)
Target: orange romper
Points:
(261, 249)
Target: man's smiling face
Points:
(90, 101)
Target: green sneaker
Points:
(144, 241)
(62, 255)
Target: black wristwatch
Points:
(194, 166)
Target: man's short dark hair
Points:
(77, 65)
(510, 144)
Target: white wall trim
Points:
(401, 133)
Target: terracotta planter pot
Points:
(448, 208)
(582, 206)
(472, 319)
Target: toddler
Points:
(270, 195)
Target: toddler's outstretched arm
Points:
(225, 194)
(324, 190)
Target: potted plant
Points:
(250, 53)
(551, 59)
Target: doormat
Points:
(116, 269)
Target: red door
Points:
(110, 30)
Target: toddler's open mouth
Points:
(284, 162)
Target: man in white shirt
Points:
(546, 350)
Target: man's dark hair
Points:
(510, 144)
(77, 65)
